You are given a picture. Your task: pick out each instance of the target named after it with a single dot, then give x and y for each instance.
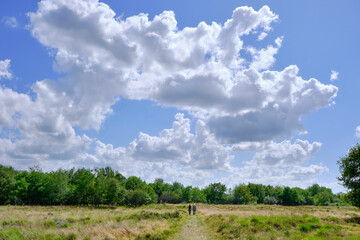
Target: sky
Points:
(190, 91)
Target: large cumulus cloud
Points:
(204, 71)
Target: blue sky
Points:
(259, 92)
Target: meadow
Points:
(171, 221)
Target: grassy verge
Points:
(282, 227)
(68, 223)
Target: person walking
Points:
(194, 209)
(189, 208)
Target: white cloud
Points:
(264, 58)
(357, 131)
(36, 130)
(285, 153)
(299, 176)
(5, 69)
(177, 154)
(334, 75)
(199, 150)
(262, 35)
(10, 22)
(284, 97)
(138, 58)
(142, 59)
(200, 70)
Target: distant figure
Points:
(194, 209)
(189, 208)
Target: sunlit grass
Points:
(64, 222)
(166, 221)
(282, 223)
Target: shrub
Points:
(222, 226)
(155, 215)
(49, 224)
(120, 218)
(70, 236)
(270, 200)
(137, 197)
(65, 224)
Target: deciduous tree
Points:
(350, 174)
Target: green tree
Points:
(137, 197)
(186, 193)
(350, 174)
(322, 199)
(84, 186)
(314, 189)
(257, 190)
(39, 189)
(197, 196)
(158, 186)
(151, 194)
(114, 192)
(100, 190)
(21, 189)
(133, 183)
(7, 184)
(242, 195)
(58, 187)
(215, 193)
(289, 197)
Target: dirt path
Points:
(193, 228)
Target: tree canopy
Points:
(350, 174)
(106, 186)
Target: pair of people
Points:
(194, 209)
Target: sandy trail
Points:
(192, 229)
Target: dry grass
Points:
(281, 222)
(193, 229)
(64, 222)
(173, 222)
(277, 210)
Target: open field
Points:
(173, 222)
(63, 222)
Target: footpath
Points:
(193, 228)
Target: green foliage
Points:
(71, 236)
(84, 187)
(257, 190)
(49, 224)
(322, 199)
(197, 196)
(215, 193)
(155, 215)
(274, 227)
(106, 186)
(242, 195)
(7, 184)
(133, 183)
(65, 224)
(137, 197)
(270, 200)
(350, 174)
(21, 188)
(289, 197)
(185, 192)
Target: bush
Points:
(137, 198)
(270, 200)
(71, 236)
(350, 174)
(49, 224)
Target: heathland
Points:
(171, 221)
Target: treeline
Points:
(106, 186)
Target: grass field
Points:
(173, 222)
